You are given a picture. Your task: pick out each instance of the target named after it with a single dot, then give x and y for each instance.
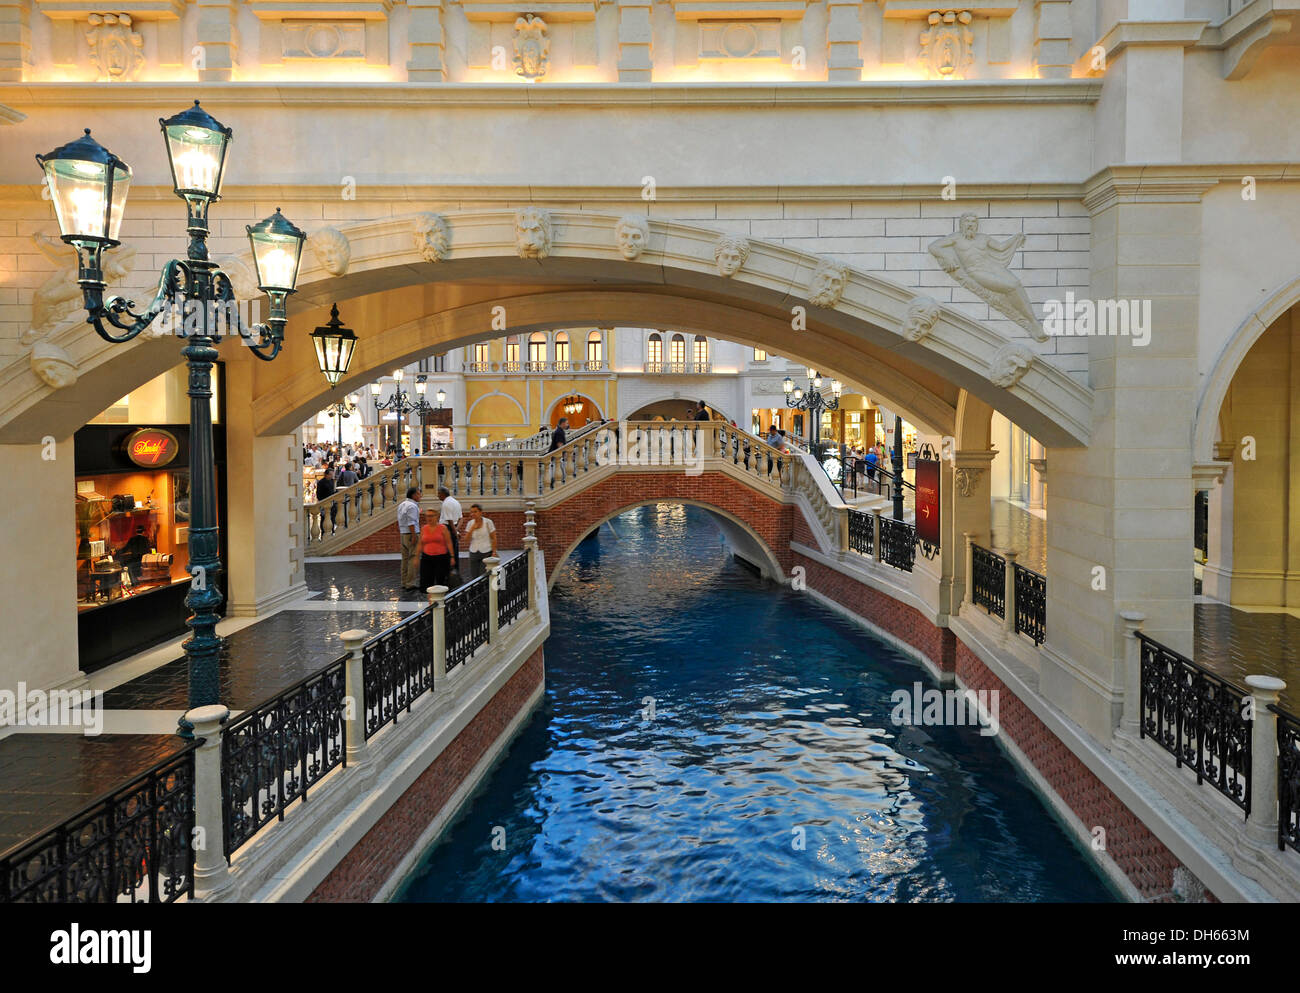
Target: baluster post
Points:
(354, 691)
(211, 873)
(1132, 713)
(842, 513)
(875, 533)
(493, 564)
(1262, 820)
(968, 591)
(438, 599)
(1009, 594)
(530, 549)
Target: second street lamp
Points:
(814, 402)
(400, 402)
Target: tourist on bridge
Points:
(450, 515)
(482, 540)
(348, 477)
(560, 434)
(435, 547)
(702, 412)
(408, 526)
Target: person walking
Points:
(408, 526)
(482, 540)
(348, 477)
(435, 553)
(450, 515)
(701, 412)
(560, 434)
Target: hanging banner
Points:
(927, 501)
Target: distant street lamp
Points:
(88, 185)
(400, 402)
(814, 402)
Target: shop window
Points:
(595, 347)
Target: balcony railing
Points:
(988, 581)
(478, 366)
(1198, 718)
(532, 366)
(1031, 603)
(513, 365)
(1288, 780)
(897, 543)
(131, 845)
(467, 621)
(513, 598)
(862, 533)
(679, 368)
(397, 669)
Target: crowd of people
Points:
(431, 540)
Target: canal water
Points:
(708, 736)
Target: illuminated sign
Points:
(152, 448)
(927, 501)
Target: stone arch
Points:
(1206, 426)
(584, 280)
(685, 396)
(523, 414)
(595, 404)
(771, 565)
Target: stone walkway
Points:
(1015, 527)
(1234, 644)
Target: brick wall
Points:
(374, 858)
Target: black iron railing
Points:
(1031, 603)
(131, 845)
(512, 598)
(1198, 718)
(989, 580)
(466, 621)
(897, 543)
(861, 533)
(397, 669)
(271, 755)
(1288, 779)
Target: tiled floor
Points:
(45, 778)
(1235, 644)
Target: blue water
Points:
(771, 714)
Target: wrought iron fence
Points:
(131, 845)
(1288, 779)
(861, 533)
(897, 543)
(272, 754)
(512, 598)
(1031, 603)
(397, 669)
(989, 580)
(1198, 718)
(466, 621)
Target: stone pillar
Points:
(968, 590)
(15, 41)
(635, 40)
(1009, 596)
(875, 533)
(493, 564)
(842, 520)
(972, 480)
(354, 689)
(1132, 676)
(1052, 39)
(218, 41)
(424, 31)
(530, 549)
(438, 600)
(843, 41)
(211, 871)
(1261, 824)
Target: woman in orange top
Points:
(435, 548)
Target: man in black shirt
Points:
(559, 435)
(701, 412)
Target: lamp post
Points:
(334, 346)
(88, 185)
(814, 402)
(422, 406)
(897, 460)
(400, 402)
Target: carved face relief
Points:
(53, 365)
(730, 253)
(827, 283)
(116, 50)
(432, 237)
(533, 232)
(922, 315)
(1010, 364)
(332, 251)
(532, 47)
(947, 44)
(632, 232)
(970, 225)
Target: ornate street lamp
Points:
(334, 346)
(88, 185)
(814, 402)
(422, 406)
(400, 402)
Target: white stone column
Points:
(438, 599)
(1132, 676)
(843, 41)
(211, 871)
(15, 41)
(530, 549)
(635, 41)
(427, 63)
(1261, 824)
(1009, 594)
(493, 564)
(354, 689)
(972, 481)
(968, 593)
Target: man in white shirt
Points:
(450, 515)
(482, 540)
(408, 526)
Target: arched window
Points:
(481, 356)
(677, 352)
(595, 350)
(536, 351)
(512, 353)
(701, 353)
(562, 350)
(654, 353)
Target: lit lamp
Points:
(482, 441)
(442, 396)
(334, 346)
(397, 376)
(421, 386)
(88, 185)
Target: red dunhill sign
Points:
(152, 447)
(927, 501)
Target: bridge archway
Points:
(404, 307)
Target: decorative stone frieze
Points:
(947, 45)
(532, 47)
(432, 236)
(116, 48)
(632, 233)
(980, 264)
(332, 251)
(341, 40)
(826, 286)
(740, 39)
(533, 232)
(922, 315)
(730, 253)
(966, 480)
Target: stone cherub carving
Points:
(632, 233)
(432, 236)
(922, 315)
(533, 232)
(59, 297)
(826, 286)
(1009, 365)
(980, 264)
(532, 47)
(332, 251)
(730, 253)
